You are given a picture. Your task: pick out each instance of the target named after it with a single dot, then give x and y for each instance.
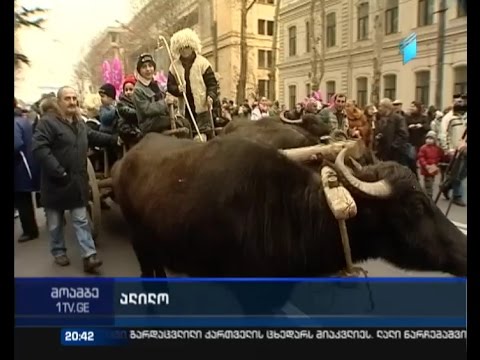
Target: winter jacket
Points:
(451, 131)
(416, 135)
(152, 110)
(429, 154)
(61, 149)
(25, 170)
(108, 119)
(128, 122)
(391, 137)
(257, 114)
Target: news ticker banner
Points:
(188, 302)
(117, 337)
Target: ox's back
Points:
(215, 207)
(270, 131)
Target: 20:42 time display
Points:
(78, 336)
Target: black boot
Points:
(27, 237)
(91, 264)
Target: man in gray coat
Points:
(60, 145)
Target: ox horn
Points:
(379, 189)
(285, 120)
(355, 163)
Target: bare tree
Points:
(81, 73)
(25, 18)
(214, 33)
(245, 7)
(272, 76)
(153, 17)
(378, 48)
(318, 45)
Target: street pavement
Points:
(32, 259)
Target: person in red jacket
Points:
(429, 157)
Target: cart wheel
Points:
(94, 209)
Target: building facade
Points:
(226, 15)
(350, 43)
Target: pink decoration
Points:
(116, 76)
(161, 78)
(106, 71)
(113, 73)
(317, 95)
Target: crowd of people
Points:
(51, 148)
(424, 139)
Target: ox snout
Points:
(457, 262)
(453, 244)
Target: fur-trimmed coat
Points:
(199, 80)
(358, 125)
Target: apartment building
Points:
(349, 35)
(260, 27)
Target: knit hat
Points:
(130, 79)
(431, 134)
(109, 90)
(145, 58)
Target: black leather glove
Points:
(62, 181)
(158, 96)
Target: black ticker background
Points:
(31, 343)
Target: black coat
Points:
(61, 147)
(391, 137)
(417, 134)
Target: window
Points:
(461, 8)
(331, 30)
(422, 87)
(292, 41)
(292, 96)
(362, 92)
(270, 28)
(263, 86)
(330, 89)
(265, 59)
(113, 37)
(390, 87)
(265, 27)
(308, 90)
(269, 2)
(460, 76)
(362, 28)
(308, 35)
(425, 12)
(391, 17)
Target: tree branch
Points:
(21, 58)
(251, 4)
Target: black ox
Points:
(236, 208)
(281, 134)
